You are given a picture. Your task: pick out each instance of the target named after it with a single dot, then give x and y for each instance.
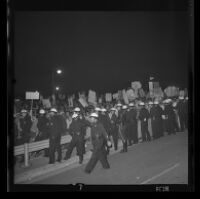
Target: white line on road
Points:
(160, 174)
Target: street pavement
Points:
(161, 161)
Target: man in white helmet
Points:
(99, 139)
(182, 109)
(132, 125)
(114, 127)
(25, 124)
(169, 117)
(156, 113)
(78, 137)
(143, 117)
(42, 126)
(54, 136)
(123, 130)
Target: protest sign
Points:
(46, 103)
(115, 96)
(131, 94)
(141, 92)
(83, 102)
(171, 91)
(108, 97)
(125, 97)
(92, 97)
(32, 95)
(182, 93)
(136, 85)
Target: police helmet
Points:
(150, 103)
(23, 111)
(97, 109)
(124, 107)
(131, 104)
(42, 111)
(53, 110)
(95, 115)
(77, 109)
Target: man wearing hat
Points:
(42, 126)
(25, 124)
(78, 137)
(114, 128)
(132, 127)
(123, 130)
(143, 117)
(99, 139)
(169, 117)
(54, 136)
(181, 109)
(156, 113)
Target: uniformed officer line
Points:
(160, 174)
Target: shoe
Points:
(122, 151)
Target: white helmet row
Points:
(77, 109)
(97, 109)
(94, 115)
(42, 111)
(124, 107)
(53, 110)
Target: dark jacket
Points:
(144, 115)
(25, 124)
(105, 121)
(156, 113)
(54, 128)
(77, 127)
(98, 136)
(43, 127)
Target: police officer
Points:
(25, 124)
(175, 116)
(123, 130)
(181, 113)
(42, 126)
(80, 114)
(54, 136)
(143, 117)
(78, 140)
(99, 139)
(104, 119)
(156, 113)
(114, 128)
(169, 117)
(132, 119)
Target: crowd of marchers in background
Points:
(119, 120)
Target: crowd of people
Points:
(108, 123)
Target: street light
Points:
(59, 71)
(57, 88)
(53, 72)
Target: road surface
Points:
(162, 161)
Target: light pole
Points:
(53, 72)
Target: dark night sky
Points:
(103, 51)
